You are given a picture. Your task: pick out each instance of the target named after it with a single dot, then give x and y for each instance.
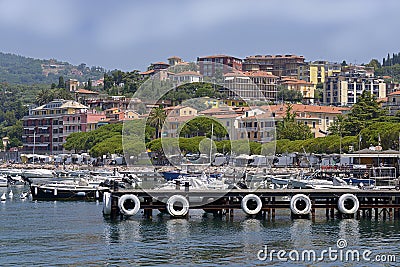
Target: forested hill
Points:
(16, 69)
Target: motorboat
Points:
(67, 190)
(36, 175)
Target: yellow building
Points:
(179, 111)
(307, 89)
(320, 70)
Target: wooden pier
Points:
(261, 203)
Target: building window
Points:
(227, 123)
(313, 124)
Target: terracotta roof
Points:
(193, 73)
(394, 93)
(307, 108)
(267, 115)
(84, 91)
(221, 110)
(147, 72)
(294, 81)
(235, 73)
(173, 107)
(260, 74)
(219, 56)
(225, 116)
(180, 119)
(160, 63)
(93, 118)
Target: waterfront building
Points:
(318, 118)
(173, 123)
(95, 120)
(47, 127)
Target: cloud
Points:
(130, 34)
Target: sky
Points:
(130, 35)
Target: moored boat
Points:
(67, 191)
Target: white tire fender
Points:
(245, 207)
(173, 200)
(296, 205)
(345, 198)
(107, 203)
(126, 211)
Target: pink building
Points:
(47, 127)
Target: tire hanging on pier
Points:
(250, 209)
(348, 204)
(300, 204)
(107, 203)
(126, 201)
(172, 203)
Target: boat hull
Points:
(52, 193)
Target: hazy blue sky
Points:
(131, 34)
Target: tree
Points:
(156, 118)
(374, 63)
(44, 96)
(288, 128)
(344, 63)
(9, 118)
(89, 85)
(201, 126)
(363, 113)
(61, 83)
(292, 96)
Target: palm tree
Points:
(156, 118)
(44, 96)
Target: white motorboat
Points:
(35, 175)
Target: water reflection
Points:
(301, 233)
(349, 230)
(177, 229)
(128, 230)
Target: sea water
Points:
(56, 233)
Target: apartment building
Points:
(318, 118)
(307, 89)
(47, 127)
(317, 71)
(343, 90)
(255, 86)
(278, 65)
(210, 65)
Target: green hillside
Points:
(16, 69)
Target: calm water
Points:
(76, 234)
